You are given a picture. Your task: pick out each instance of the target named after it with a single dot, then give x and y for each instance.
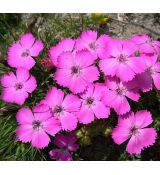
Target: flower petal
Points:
(137, 64)
(100, 110)
(85, 115)
(71, 137)
(40, 139)
(65, 60)
(63, 46)
(133, 95)
(89, 36)
(144, 81)
(24, 133)
(27, 40)
(65, 156)
(148, 136)
(134, 145)
(12, 96)
(24, 116)
(54, 97)
(156, 80)
(120, 134)
(143, 118)
(68, 121)
(125, 73)
(109, 66)
(127, 120)
(102, 43)
(55, 154)
(84, 58)
(112, 83)
(52, 126)
(121, 105)
(36, 48)
(31, 84)
(61, 141)
(77, 85)
(71, 103)
(22, 75)
(41, 112)
(90, 74)
(63, 77)
(73, 147)
(8, 79)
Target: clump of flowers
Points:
(94, 74)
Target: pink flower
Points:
(151, 75)
(146, 45)
(76, 71)
(66, 144)
(90, 41)
(21, 53)
(116, 93)
(63, 108)
(34, 126)
(133, 127)
(15, 88)
(63, 46)
(92, 105)
(121, 60)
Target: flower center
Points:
(18, 86)
(75, 70)
(58, 109)
(36, 125)
(90, 101)
(120, 91)
(122, 58)
(134, 131)
(93, 46)
(25, 53)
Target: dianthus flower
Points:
(90, 41)
(67, 144)
(76, 71)
(116, 93)
(133, 127)
(64, 108)
(15, 88)
(92, 105)
(121, 60)
(34, 126)
(21, 53)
